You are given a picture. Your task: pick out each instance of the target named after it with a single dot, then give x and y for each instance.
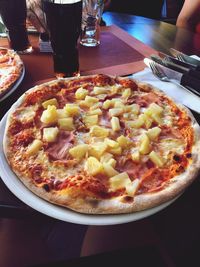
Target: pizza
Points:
(102, 145)
(11, 67)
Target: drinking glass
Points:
(13, 14)
(63, 20)
(91, 17)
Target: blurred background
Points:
(165, 10)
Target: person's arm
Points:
(189, 15)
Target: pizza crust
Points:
(118, 205)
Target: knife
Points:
(190, 83)
(176, 67)
(178, 62)
(184, 57)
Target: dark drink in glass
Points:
(13, 13)
(64, 25)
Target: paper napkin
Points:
(174, 91)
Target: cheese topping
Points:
(119, 138)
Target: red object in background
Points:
(197, 28)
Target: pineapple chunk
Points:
(126, 93)
(90, 120)
(96, 106)
(132, 187)
(115, 150)
(51, 102)
(109, 170)
(126, 116)
(62, 114)
(153, 133)
(147, 120)
(135, 156)
(118, 104)
(93, 166)
(50, 134)
(138, 123)
(99, 131)
(145, 145)
(115, 111)
(97, 111)
(111, 143)
(81, 93)
(34, 147)
(157, 118)
(100, 90)
(89, 101)
(134, 108)
(115, 124)
(49, 115)
(78, 152)
(156, 159)
(112, 162)
(115, 88)
(119, 181)
(154, 109)
(106, 157)
(123, 141)
(97, 150)
(72, 109)
(66, 124)
(107, 104)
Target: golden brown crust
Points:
(119, 203)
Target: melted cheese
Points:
(168, 145)
(27, 113)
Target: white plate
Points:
(15, 85)
(60, 213)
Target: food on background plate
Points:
(102, 145)
(11, 67)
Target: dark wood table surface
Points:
(156, 34)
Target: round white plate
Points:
(57, 212)
(15, 85)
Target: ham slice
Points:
(134, 170)
(59, 149)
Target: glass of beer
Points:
(63, 18)
(13, 14)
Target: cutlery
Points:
(176, 67)
(178, 62)
(165, 74)
(183, 57)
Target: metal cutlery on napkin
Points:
(178, 62)
(176, 66)
(183, 57)
(187, 82)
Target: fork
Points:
(159, 73)
(180, 57)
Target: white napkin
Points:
(174, 91)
